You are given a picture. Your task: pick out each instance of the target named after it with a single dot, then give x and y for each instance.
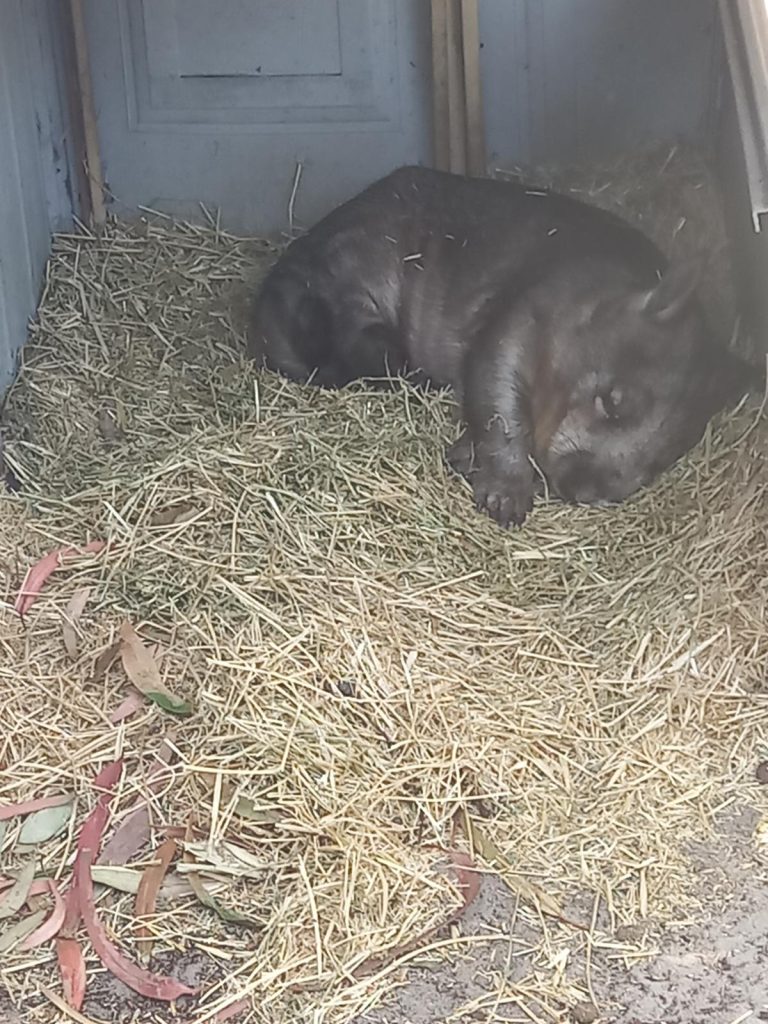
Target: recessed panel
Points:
(277, 63)
(194, 38)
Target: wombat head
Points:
(636, 380)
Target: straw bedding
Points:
(365, 655)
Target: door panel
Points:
(203, 101)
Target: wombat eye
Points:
(608, 404)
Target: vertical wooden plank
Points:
(470, 22)
(440, 109)
(90, 128)
(457, 116)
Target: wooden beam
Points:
(457, 110)
(440, 109)
(475, 121)
(90, 129)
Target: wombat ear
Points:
(673, 292)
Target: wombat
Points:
(568, 340)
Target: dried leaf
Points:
(246, 808)
(225, 859)
(234, 1008)
(88, 842)
(128, 880)
(134, 831)
(11, 936)
(204, 897)
(175, 514)
(121, 878)
(72, 613)
(19, 892)
(40, 571)
(468, 879)
(146, 897)
(50, 928)
(30, 806)
(44, 824)
(133, 702)
(154, 986)
(71, 962)
(105, 661)
(525, 889)
(38, 888)
(140, 666)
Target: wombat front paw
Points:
(507, 496)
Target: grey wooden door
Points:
(217, 101)
(34, 174)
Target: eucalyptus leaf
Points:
(16, 932)
(44, 825)
(170, 704)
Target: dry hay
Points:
(365, 654)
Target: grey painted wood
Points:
(217, 103)
(749, 247)
(200, 100)
(33, 172)
(569, 79)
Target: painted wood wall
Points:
(34, 174)
(219, 100)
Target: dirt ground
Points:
(711, 968)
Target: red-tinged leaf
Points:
(30, 806)
(50, 928)
(19, 893)
(146, 897)
(38, 888)
(72, 613)
(72, 971)
(40, 571)
(134, 831)
(133, 702)
(89, 841)
(153, 986)
(239, 1006)
(107, 778)
(468, 879)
